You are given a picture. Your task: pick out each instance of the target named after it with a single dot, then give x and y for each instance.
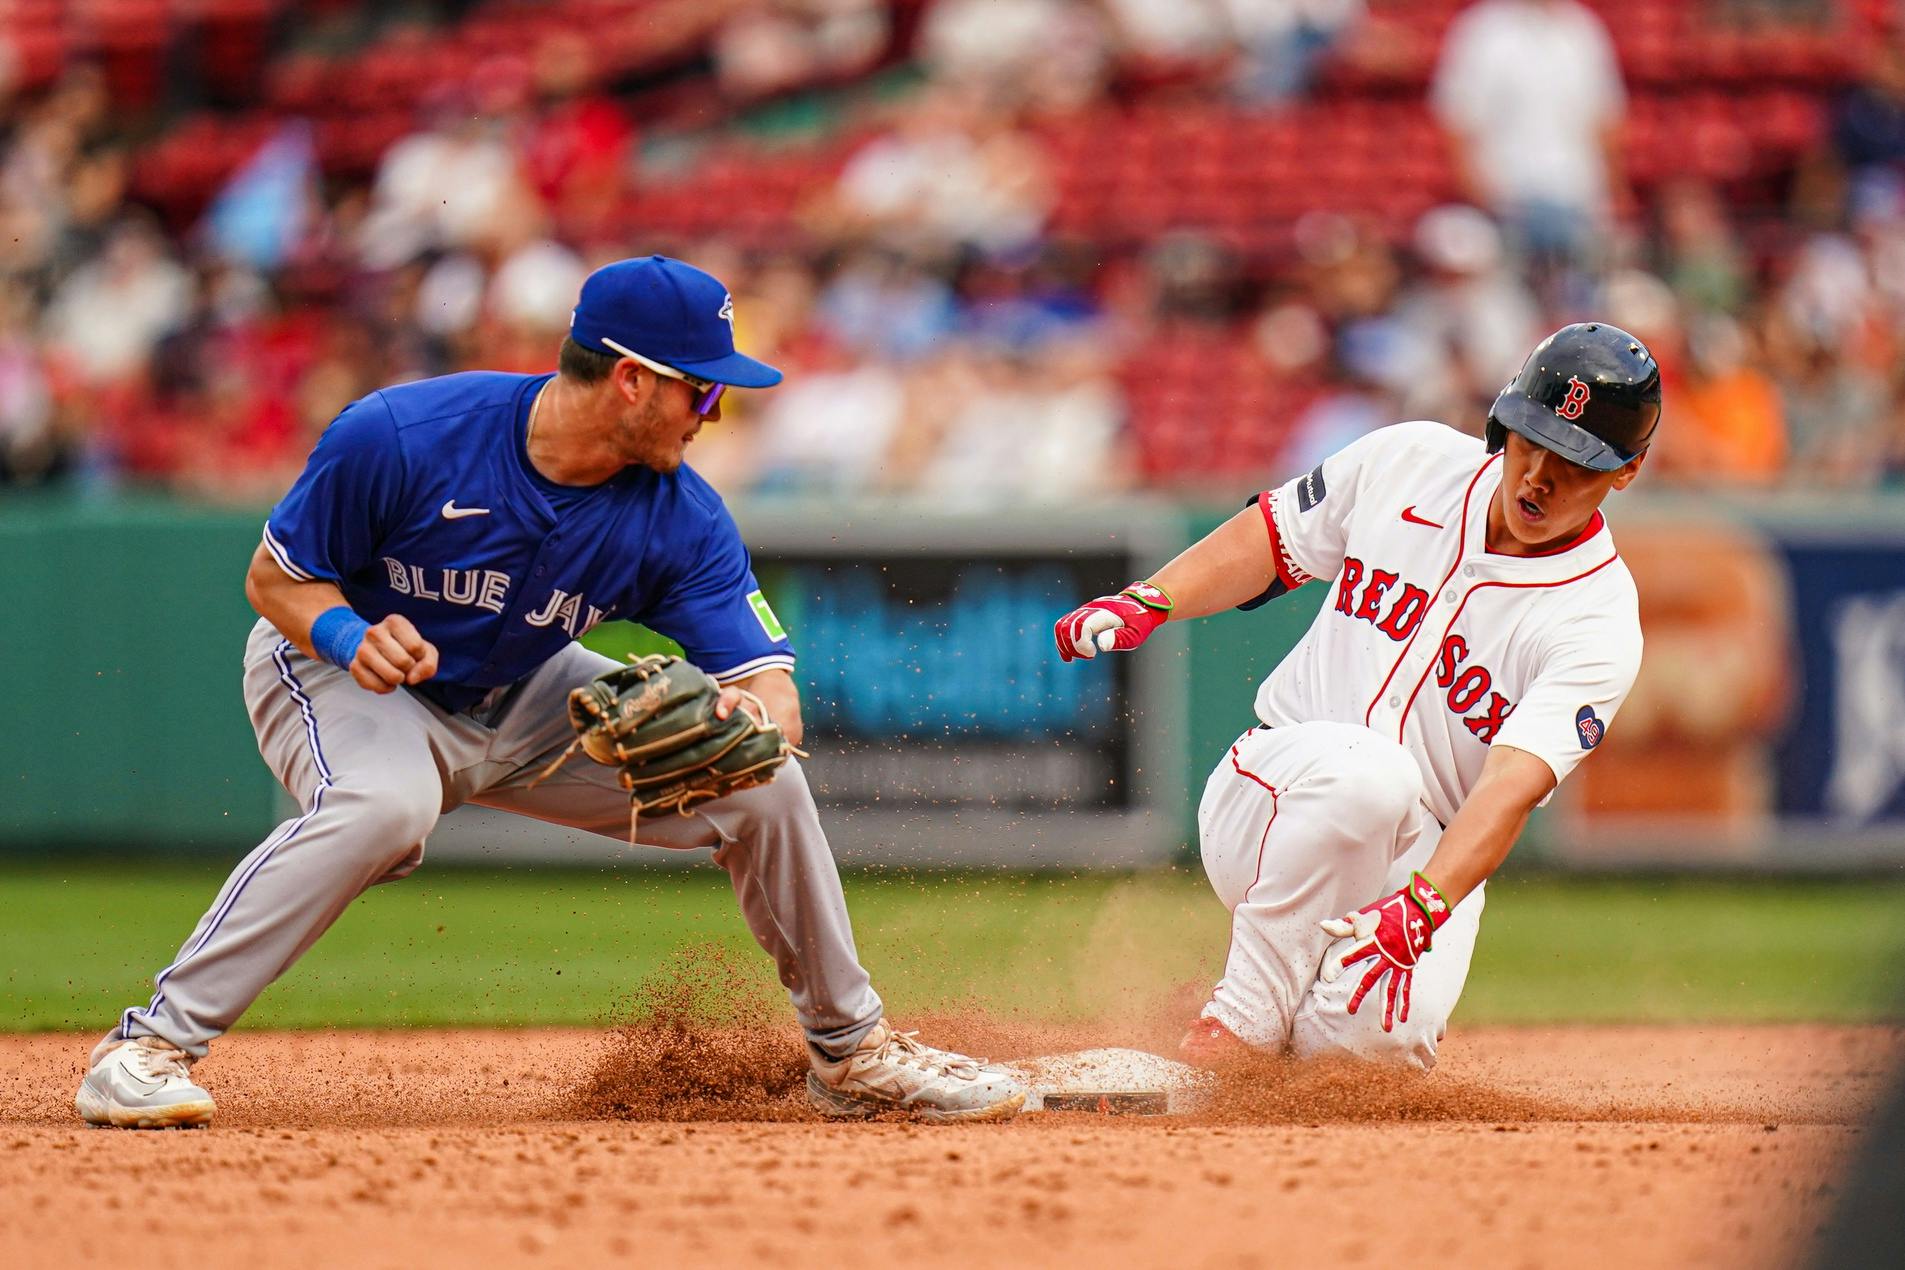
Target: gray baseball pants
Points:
(372, 774)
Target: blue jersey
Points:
(421, 500)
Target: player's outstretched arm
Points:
(380, 656)
(1229, 566)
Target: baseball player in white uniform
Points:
(1479, 635)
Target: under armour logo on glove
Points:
(1112, 623)
(1393, 932)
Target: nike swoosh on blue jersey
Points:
(452, 512)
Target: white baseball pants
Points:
(1311, 821)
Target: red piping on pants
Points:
(1261, 842)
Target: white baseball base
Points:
(1114, 1082)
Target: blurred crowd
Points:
(943, 337)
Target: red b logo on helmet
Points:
(1575, 402)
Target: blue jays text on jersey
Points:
(421, 500)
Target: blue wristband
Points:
(336, 634)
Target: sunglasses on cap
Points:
(709, 393)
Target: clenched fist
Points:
(1112, 623)
(393, 654)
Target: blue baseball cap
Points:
(669, 312)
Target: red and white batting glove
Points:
(1395, 931)
(1113, 623)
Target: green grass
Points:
(450, 946)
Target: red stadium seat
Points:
(1736, 106)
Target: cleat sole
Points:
(836, 1105)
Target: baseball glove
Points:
(654, 719)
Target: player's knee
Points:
(386, 824)
(1408, 1046)
(1379, 782)
(787, 795)
(404, 820)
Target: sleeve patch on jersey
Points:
(765, 616)
(1309, 490)
(1588, 726)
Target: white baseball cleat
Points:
(144, 1083)
(893, 1071)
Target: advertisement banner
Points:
(1767, 727)
(943, 726)
(929, 681)
(1843, 759)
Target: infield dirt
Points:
(664, 1144)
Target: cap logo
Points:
(1576, 401)
(727, 311)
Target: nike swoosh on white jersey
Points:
(452, 512)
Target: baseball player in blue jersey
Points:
(420, 589)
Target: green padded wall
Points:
(124, 726)
(119, 672)
(1229, 655)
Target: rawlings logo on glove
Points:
(1395, 931)
(655, 720)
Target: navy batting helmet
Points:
(1590, 392)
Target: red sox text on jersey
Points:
(1397, 614)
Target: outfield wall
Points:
(1768, 728)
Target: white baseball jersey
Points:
(1427, 635)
